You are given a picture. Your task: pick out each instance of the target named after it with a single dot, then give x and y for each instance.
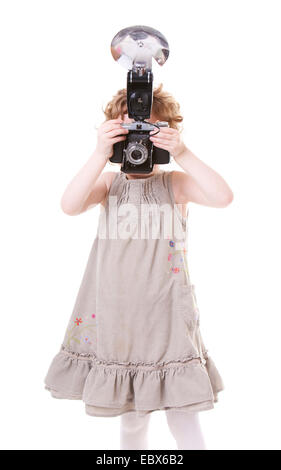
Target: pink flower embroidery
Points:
(169, 256)
(78, 321)
(93, 316)
(175, 270)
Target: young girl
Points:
(133, 344)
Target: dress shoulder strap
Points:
(117, 185)
(167, 183)
(163, 187)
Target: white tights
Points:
(184, 427)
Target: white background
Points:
(57, 74)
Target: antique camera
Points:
(134, 48)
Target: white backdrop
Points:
(57, 73)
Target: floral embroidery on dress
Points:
(76, 334)
(176, 260)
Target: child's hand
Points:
(168, 139)
(107, 136)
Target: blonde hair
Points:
(164, 106)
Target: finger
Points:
(167, 130)
(118, 139)
(111, 124)
(164, 139)
(116, 127)
(117, 131)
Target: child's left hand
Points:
(168, 139)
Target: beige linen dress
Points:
(133, 341)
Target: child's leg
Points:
(185, 428)
(133, 431)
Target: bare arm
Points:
(90, 186)
(198, 182)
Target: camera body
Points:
(137, 153)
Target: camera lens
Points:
(136, 154)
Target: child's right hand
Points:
(107, 136)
